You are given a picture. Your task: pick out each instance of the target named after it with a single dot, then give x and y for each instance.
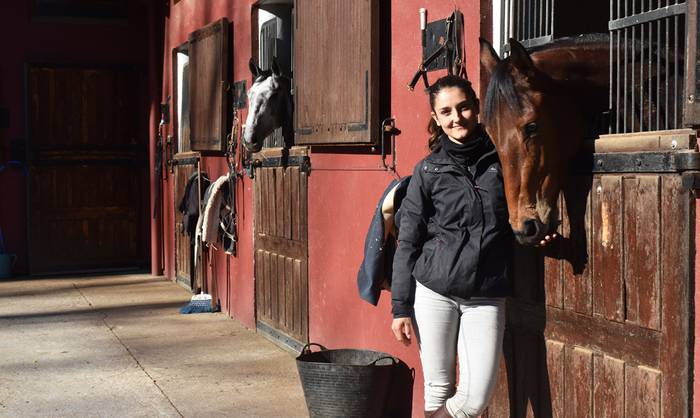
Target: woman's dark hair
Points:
(444, 82)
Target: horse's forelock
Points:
(501, 90)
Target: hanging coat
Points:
(380, 243)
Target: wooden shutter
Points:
(336, 71)
(209, 80)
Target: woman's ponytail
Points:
(435, 131)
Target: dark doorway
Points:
(87, 170)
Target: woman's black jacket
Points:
(454, 236)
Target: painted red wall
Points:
(49, 43)
(341, 200)
(235, 285)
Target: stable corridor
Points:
(117, 346)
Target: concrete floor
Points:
(112, 346)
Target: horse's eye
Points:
(530, 129)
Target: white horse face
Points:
(262, 112)
(269, 105)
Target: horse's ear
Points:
(520, 57)
(489, 58)
(254, 68)
(275, 66)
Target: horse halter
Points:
(453, 47)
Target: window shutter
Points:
(209, 80)
(336, 71)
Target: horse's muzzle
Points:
(532, 231)
(249, 142)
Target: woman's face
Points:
(456, 113)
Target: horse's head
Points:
(536, 129)
(269, 105)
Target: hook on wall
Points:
(388, 128)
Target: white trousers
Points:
(472, 330)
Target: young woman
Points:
(451, 267)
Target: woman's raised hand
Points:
(547, 239)
(403, 330)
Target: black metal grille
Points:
(647, 64)
(529, 21)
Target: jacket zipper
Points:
(476, 188)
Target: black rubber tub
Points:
(346, 383)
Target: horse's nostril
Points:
(530, 228)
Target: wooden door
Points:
(345, 33)
(184, 166)
(281, 248)
(87, 170)
(611, 339)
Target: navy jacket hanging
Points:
(380, 243)
(189, 205)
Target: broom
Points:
(200, 303)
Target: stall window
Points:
(273, 22)
(181, 98)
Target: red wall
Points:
(49, 43)
(341, 201)
(235, 285)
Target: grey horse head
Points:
(269, 106)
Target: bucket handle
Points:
(374, 363)
(307, 348)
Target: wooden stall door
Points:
(184, 167)
(281, 249)
(610, 340)
(87, 170)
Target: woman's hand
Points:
(547, 239)
(403, 330)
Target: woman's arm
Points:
(412, 233)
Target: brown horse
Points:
(538, 109)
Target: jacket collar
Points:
(441, 157)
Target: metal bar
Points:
(289, 161)
(541, 28)
(641, 162)
(279, 337)
(520, 15)
(185, 161)
(666, 77)
(511, 25)
(624, 90)
(531, 43)
(617, 85)
(649, 73)
(513, 15)
(641, 75)
(675, 72)
(645, 17)
(504, 26)
(610, 73)
(633, 57)
(694, 88)
(533, 18)
(658, 74)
